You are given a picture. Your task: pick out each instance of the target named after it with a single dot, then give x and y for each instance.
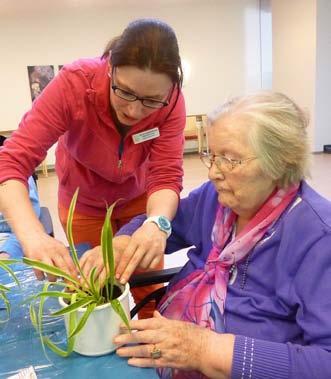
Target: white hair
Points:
(278, 133)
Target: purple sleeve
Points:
(253, 358)
(129, 228)
(258, 359)
(311, 288)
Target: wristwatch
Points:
(162, 222)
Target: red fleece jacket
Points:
(74, 109)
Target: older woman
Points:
(254, 299)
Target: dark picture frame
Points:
(39, 77)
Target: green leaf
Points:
(73, 306)
(72, 325)
(95, 289)
(58, 294)
(70, 235)
(50, 269)
(118, 308)
(72, 288)
(90, 308)
(57, 350)
(107, 252)
(69, 228)
(4, 263)
(33, 315)
(70, 342)
(8, 261)
(3, 288)
(5, 300)
(39, 317)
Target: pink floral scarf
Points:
(200, 297)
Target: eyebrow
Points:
(127, 88)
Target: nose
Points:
(135, 110)
(215, 173)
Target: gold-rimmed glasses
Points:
(222, 163)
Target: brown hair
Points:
(147, 43)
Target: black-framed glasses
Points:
(222, 163)
(129, 96)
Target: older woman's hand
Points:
(181, 345)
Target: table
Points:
(20, 345)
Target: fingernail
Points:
(122, 281)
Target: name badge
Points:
(146, 135)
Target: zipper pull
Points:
(120, 152)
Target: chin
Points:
(224, 198)
(127, 121)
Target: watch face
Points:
(164, 223)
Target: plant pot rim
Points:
(102, 306)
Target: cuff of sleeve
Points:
(258, 359)
(129, 228)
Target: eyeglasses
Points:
(222, 162)
(129, 96)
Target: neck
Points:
(241, 223)
(121, 128)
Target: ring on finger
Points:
(156, 353)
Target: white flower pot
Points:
(103, 324)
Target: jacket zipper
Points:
(120, 152)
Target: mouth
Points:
(130, 119)
(220, 190)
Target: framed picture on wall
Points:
(39, 77)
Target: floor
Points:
(194, 174)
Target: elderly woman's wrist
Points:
(216, 357)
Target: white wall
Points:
(219, 38)
(294, 41)
(266, 43)
(302, 60)
(323, 76)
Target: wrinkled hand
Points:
(46, 249)
(182, 344)
(145, 250)
(93, 258)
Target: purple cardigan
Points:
(279, 307)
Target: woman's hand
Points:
(145, 250)
(93, 258)
(46, 249)
(181, 345)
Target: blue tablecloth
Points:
(20, 345)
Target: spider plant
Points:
(4, 264)
(86, 292)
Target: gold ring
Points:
(156, 353)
